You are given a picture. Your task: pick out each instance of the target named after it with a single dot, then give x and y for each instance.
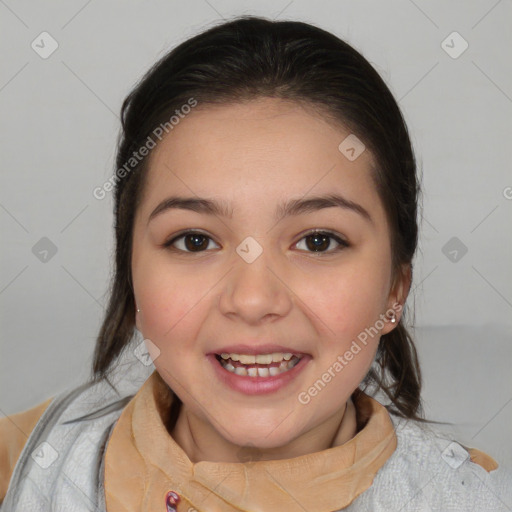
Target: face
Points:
(252, 279)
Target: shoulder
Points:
(448, 472)
(77, 422)
(14, 432)
(452, 452)
(430, 471)
(426, 440)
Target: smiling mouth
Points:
(276, 365)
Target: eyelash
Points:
(342, 243)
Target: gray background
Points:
(60, 123)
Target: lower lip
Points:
(257, 385)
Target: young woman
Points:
(266, 223)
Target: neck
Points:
(201, 442)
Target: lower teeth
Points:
(253, 371)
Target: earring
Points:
(393, 319)
(138, 310)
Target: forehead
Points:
(257, 153)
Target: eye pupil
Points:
(319, 241)
(316, 242)
(201, 239)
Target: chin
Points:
(262, 438)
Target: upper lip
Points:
(256, 349)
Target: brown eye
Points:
(191, 241)
(195, 242)
(320, 241)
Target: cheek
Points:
(346, 301)
(170, 304)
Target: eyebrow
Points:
(287, 208)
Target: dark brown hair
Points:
(250, 57)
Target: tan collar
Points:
(143, 463)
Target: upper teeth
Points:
(275, 357)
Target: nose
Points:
(256, 291)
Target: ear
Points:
(397, 296)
